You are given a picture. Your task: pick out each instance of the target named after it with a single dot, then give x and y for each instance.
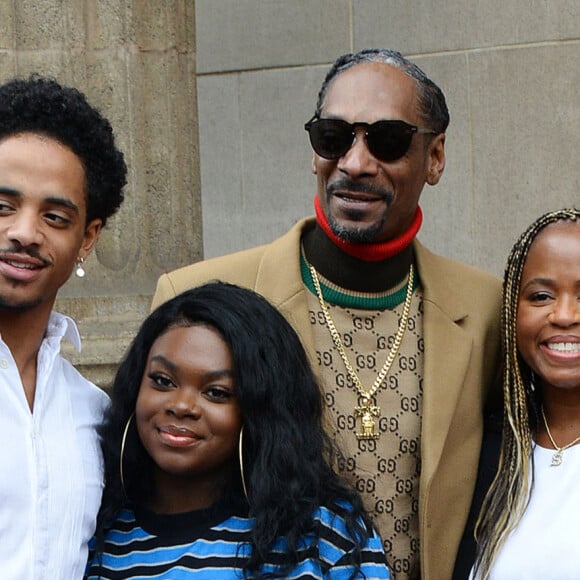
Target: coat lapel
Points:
(447, 354)
(284, 286)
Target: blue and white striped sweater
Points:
(198, 546)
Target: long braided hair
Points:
(509, 494)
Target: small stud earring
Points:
(80, 271)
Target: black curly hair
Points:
(41, 105)
(288, 456)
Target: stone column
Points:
(135, 61)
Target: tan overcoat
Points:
(461, 364)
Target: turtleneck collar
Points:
(351, 273)
(334, 263)
(370, 252)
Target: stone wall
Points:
(216, 92)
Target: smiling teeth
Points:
(565, 346)
(21, 265)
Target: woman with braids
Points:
(216, 462)
(529, 523)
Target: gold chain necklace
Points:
(557, 457)
(368, 411)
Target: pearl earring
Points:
(80, 271)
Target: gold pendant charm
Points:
(556, 459)
(368, 414)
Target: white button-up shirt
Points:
(51, 472)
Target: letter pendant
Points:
(556, 459)
(368, 414)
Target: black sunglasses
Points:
(387, 140)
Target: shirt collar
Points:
(62, 326)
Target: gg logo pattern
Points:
(385, 470)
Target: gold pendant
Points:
(556, 459)
(368, 414)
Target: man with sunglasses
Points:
(406, 342)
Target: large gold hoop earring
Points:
(123, 441)
(240, 446)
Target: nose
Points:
(358, 161)
(25, 229)
(566, 311)
(184, 402)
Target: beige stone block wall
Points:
(213, 94)
(509, 69)
(135, 61)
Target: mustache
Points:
(16, 249)
(358, 187)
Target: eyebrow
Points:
(9, 191)
(332, 117)
(210, 375)
(65, 202)
(539, 281)
(51, 200)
